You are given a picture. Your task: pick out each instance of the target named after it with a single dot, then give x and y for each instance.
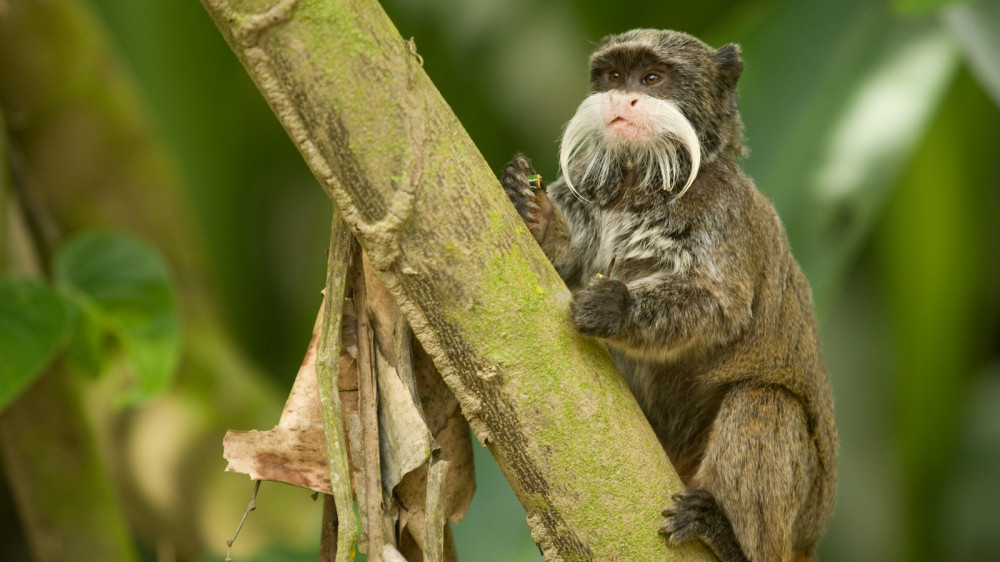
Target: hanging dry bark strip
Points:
(425, 427)
(369, 489)
(417, 424)
(336, 544)
(437, 471)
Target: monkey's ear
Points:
(730, 63)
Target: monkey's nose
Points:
(633, 102)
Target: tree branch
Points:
(481, 297)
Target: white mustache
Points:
(584, 142)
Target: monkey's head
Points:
(662, 104)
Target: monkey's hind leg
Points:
(753, 481)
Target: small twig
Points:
(607, 272)
(611, 266)
(250, 507)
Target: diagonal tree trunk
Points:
(481, 297)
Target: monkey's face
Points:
(633, 94)
(656, 97)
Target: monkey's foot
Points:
(695, 515)
(533, 206)
(601, 309)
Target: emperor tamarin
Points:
(681, 266)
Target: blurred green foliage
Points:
(121, 288)
(33, 321)
(873, 126)
(107, 285)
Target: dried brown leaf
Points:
(295, 450)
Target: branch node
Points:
(411, 44)
(250, 27)
(492, 374)
(383, 234)
(247, 28)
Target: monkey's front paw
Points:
(601, 309)
(533, 206)
(695, 515)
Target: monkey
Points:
(683, 269)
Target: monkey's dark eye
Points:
(652, 79)
(614, 76)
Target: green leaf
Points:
(124, 285)
(976, 27)
(33, 320)
(834, 111)
(88, 347)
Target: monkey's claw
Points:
(688, 517)
(517, 184)
(695, 515)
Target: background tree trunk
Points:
(62, 486)
(481, 297)
(88, 157)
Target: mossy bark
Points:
(481, 297)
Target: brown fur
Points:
(706, 312)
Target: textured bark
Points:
(481, 297)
